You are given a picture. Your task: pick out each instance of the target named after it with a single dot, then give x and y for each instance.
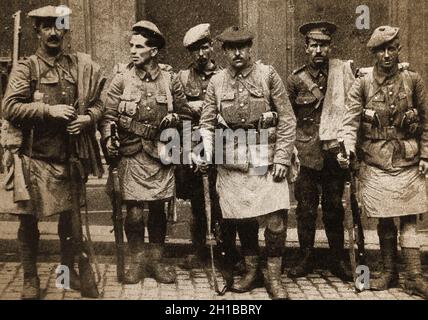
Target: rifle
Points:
(352, 221)
(88, 285)
(16, 37)
(210, 235)
(117, 215)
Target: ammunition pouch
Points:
(371, 117)
(410, 122)
(385, 133)
(268, 120)
(171, 120)
(141, 129)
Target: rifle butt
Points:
(88, 286)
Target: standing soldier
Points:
(250, 97)
(44, 100)
(142, 100)
(189, 184)
(317, 92)
(387, 111)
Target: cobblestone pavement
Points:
(190, 285)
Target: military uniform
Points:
(138, 101)
(317, 96)
(189, 184)
(387, 112)
(36, 84)
(238, 99)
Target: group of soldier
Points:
(380, 116)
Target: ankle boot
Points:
(28, 253)
(304, 267)
(249, 279)
(389, 275)
(134, 273)
(31, 288)
(156, 268)
(414, 282)
(272, 279)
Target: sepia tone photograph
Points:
(213, 150)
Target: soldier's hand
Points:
(62, 112)
(112, 148)
(76, 126)
(279, 172)
(423, 167)
(343, 162)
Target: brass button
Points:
(203, 78)
(146, 122)
(391, 93)
(204, 91)
(149, 94)
(241, 90)
(392, 106)
(305, 102)
(321, 88)
(240, 75)
(147, 79)
(148, 108)
(242, 120)
(241, 105)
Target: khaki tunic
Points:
(391, 185)
(244, 96)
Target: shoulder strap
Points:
(166, 77)
(184, 77)
(36, 68)
(408, 84)
(313, 87)
(220, 90)
(368, 88)
(263, 74)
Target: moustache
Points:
(53, 39)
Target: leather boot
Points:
(28, 240)
(134, 229)
(155, 268)
(272, 279)
(67, 259)
(414, 283)
(31, 289)
(389, 275)
(134, 272)
(304, 267)
(195, 260)
(249, 279)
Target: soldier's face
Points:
(50, 35)
(141, 54)
(318, 52)
(387, 56)
(238, 55)
(202, 54)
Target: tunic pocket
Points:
(228, 109)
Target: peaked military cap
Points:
(235, 34)
(197, 33)
(152, 28)
(50, 12)
(318, 30)
(381, 35)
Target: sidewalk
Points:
(190, 285)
